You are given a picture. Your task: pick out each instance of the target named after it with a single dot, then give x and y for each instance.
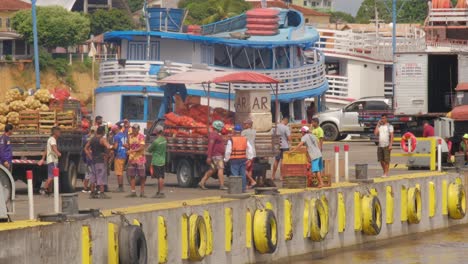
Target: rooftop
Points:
(13, 5)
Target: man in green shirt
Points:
(317, 131)
(158, 162)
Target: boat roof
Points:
(307, 39)
(292, 32)
(198, 77)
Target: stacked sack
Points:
(193, 119)
(16, 101)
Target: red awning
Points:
(196, 77)
(462, 87)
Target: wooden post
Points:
(85, 6)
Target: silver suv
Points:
(337, 124)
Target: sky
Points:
(348, 6)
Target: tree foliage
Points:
(135, 5)
(108, 20)
(56, 26)
(340, 17)
(209, 11)
(409, 11)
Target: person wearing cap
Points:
(158, 162)
(120, 154)
(250, 134)
(313, 149)
(239, 152)
(464, 146)
(317, 131)
(136, 160)
(215, 155)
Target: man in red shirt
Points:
(428, 129)
(215, 155)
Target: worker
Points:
(250, 134)
(317, 131)
(6, 153)
(158, 162)
(136, 160)
(239, 152)
(314, 153)
(96, 149)
(384, 130)
(215, 155)
(51, 155)
(282, 130)
(120, 155)
(87, 161)
(428, 130)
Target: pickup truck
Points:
(186, 155)
(337, 124)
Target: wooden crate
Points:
(295, 182)
(47, 120)
(296, 157)
(28, 122)
(313, 181)
(294, 170)
(66, 120)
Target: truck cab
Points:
(337, 124)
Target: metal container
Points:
(70, 203)
(361, 171)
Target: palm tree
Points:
(225, 9)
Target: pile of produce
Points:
(16, 101)
(193, 120)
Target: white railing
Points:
(337, 86)
(447, 15)
(367, 45)
(136, 73)
(452, 44)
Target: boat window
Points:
(207, 54)
(243, 58)
(133, 107)
(154, 103)
(137, 50)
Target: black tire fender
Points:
(132, 245)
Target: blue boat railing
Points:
(227, 25)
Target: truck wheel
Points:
(68, 178)
(331, 132)
(185, 174)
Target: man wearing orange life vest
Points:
(239, 152)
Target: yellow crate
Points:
(296, 157)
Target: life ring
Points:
(265, 231)
(414, 205)
(318, 220)
(197, 238)
(262, 12)
(371, 215)
(132, 245)
(456, 200)
(408, 136)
